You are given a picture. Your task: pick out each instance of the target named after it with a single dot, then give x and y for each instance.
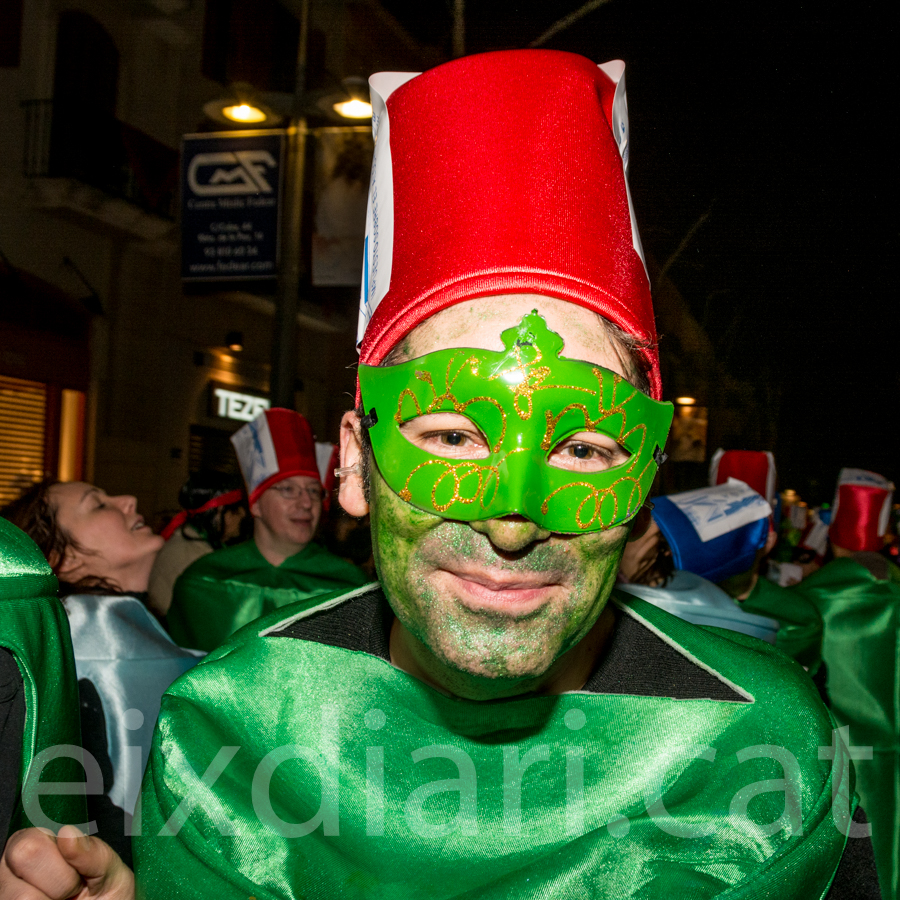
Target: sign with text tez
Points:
(230, 196)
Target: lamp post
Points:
(244, 106)
(284, 338)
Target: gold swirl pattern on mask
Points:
(531, 377)
(615, 408)
(448, 396)
(459, 472)
(598, 495)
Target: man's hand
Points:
(38, 866)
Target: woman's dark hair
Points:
(36, 516)
(199, 489)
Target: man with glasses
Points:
(282, 564)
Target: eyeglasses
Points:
(291, 492)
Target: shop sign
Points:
(228, 404)
(230, 203)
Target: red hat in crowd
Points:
(277, 444)
(502, 173)
(862, 507)
(185, 515)
(754, 467)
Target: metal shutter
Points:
(23, 406)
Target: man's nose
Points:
(511, 533)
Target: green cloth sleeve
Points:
(800, 631)
(34, 629)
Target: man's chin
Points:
(301, 534)
(496, 667)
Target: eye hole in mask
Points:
(588, 452)
(452, 436)
(447, 435)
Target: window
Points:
(23, 411)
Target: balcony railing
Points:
(62, 141)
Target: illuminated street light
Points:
(244, 113)
(353, 109)
(241, 106)
(352, 102)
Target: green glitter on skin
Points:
(489, 652)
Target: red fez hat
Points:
(502, 173)
(277, 444)
(754, 467)
(862, 506)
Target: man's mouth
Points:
(139, 524)
(516, 593)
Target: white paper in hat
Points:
(714, 511)
(379, 248)
(615, 71)
(324, 451)
(255, 452)
(817, 538)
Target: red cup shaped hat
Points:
(277, 444)
(753, 467)
(862, 507)
(502, 173)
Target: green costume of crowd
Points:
(223, 591)
(861, 649)
(800, 631)
(348, 778)
(33, 627)
(851, 619)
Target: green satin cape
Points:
(800, 632)
(421, 793)
(33, 627)
(223, 591)
(862, 659)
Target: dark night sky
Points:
(771, 117)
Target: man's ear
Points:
(640, 523)
(771, 541)
(352, 493)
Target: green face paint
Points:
(527, 448)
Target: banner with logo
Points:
(230, 204)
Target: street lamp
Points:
(350, 103)
(353, 109)
(241, 106)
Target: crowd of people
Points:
(556, 684)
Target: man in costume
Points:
(282, 564)
(490, 720)
(509, 453)
(858, 595)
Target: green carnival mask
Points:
(525, 401)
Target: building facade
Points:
(112, 369)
